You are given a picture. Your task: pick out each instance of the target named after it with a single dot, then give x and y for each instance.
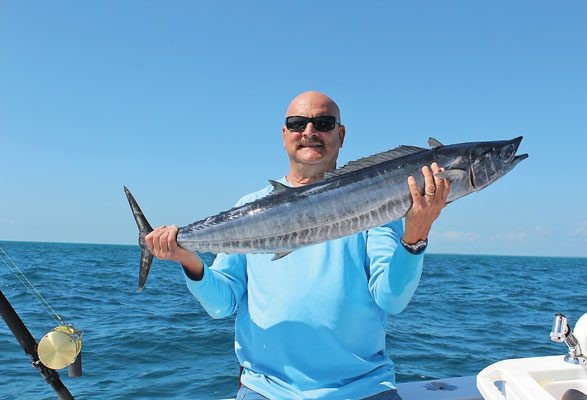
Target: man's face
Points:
(312, 147)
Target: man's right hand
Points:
(162, 244)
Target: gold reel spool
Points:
(60, 347)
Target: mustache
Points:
(312, 140)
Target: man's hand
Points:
(162, 244)
(426, 207)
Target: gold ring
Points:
(429, 193)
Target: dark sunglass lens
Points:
(296, 124)
(324, 124)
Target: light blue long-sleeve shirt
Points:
(312, 324)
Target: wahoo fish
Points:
(363, 194)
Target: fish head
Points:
(492, 160)
(473, 166)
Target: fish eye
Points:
(508, 151)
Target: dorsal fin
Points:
(434, 143)
(278, 187)
(365, 162)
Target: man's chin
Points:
(311, 152)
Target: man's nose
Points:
(310, 129)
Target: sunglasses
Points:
(322, 123)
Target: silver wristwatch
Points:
(415, 248)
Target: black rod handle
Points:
(29, 344)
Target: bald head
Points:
(312, 149)
(308, 103)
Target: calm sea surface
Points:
(468, 312)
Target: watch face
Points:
(417, 247)
(420, 246)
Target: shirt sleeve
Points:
(223, 285)
(394, 272)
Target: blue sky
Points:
(183, 101)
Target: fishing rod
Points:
(59, 348)
(29, 344)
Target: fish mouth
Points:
(517, 141)
(516, 158)
(520, 157)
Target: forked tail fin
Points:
(144, 229)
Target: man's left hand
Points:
(426, 207)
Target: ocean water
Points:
(468, 312)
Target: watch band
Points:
(415, 248)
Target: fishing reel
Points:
(61, 348)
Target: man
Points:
(312, 324)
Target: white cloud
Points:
(517, 236)
(540, 230)
(521, 235)
(456, 236)
(580, 229)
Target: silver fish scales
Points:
(363, 194)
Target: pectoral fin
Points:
(452, 174)
(277, 256)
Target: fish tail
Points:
(144, 229)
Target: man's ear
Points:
(341, 134)
(283, 133)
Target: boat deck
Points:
(461, 388)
